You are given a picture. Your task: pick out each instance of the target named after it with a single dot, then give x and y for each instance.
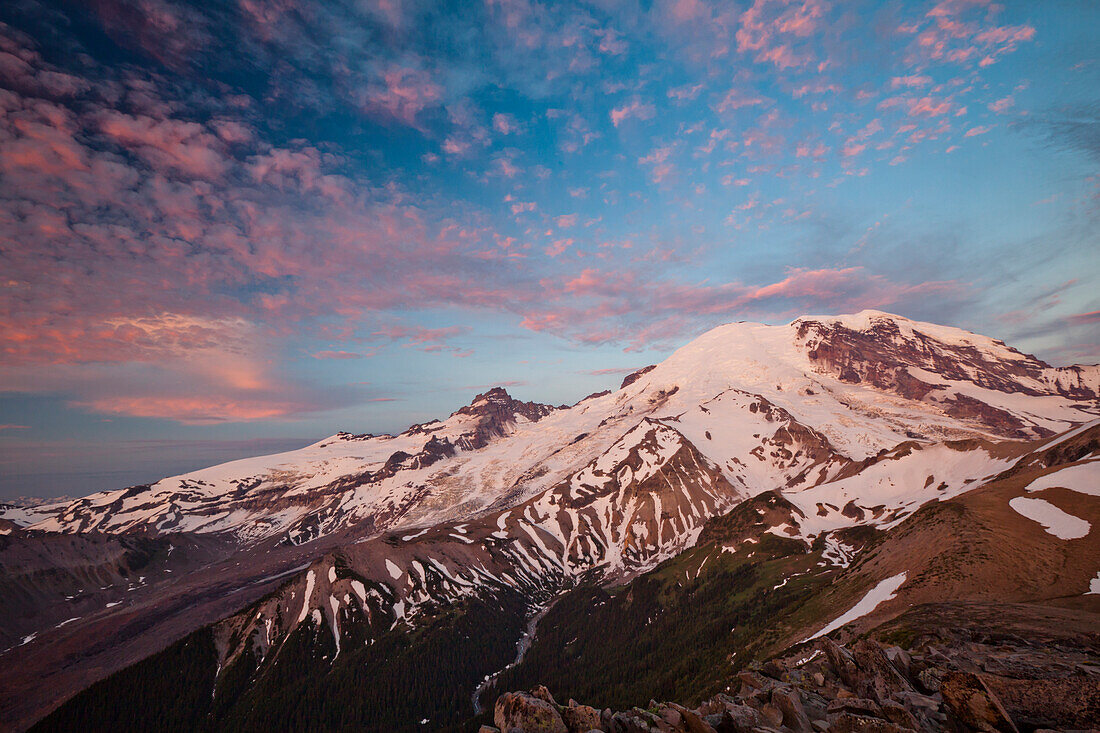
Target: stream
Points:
(522, 646)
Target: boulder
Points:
(898, 714)
(852, 723)
(789, 703)
(580, 718)
(639, 721)
(974, 703)
(900, 658)
(877, 677)
(542, 693)
(856, 706)
(530, 714)
(737, 719)
(773, 716)
(929, 679)
(690, 720)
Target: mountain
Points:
(768, 479)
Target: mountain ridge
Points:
(822, 438)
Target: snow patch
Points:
(1082, 477)
(1055, 521)
(305, 601)
(884, 591)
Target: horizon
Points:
(223, 228)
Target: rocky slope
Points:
(782, 481)
(952, 675)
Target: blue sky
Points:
(238, 228)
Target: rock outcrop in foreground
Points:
(867, 688)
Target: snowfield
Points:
(884, 591)
(1054, 520)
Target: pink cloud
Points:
(683, 11)
(685, 93)
(168, 144)
(909, 82)
(769, 29)
(979, 130)
(401, 94)
(558, 246)
(337, 355)
(505, 124)
(1085, 318)
(736, 99)
(635, 109)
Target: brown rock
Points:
(852, 723)
(897, 713)
(974, 704)
(580, 718)
(527, 713)
(930, 679)
(692, 722)
(856, 706)
(542, 693)
(841, 660)
(739, 719)
(900, 659)
(877, 677)
(488, 729)
(671, 716)
(790, 705)
(639, 721)
(772, 715)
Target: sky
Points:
(236, 228)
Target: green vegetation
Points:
(676, 633)
(169, 691)
(392, 684)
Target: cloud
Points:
(636, 109)
(609, 372)
(774, 31)
(1090, 318)
(736, 99)
(431, 340)
(337, 355)
(641, 311)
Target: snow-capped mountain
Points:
(773, 406)
(811, 432)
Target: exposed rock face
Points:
(883, 353)
(633, 377)
(495, 410)
(895, 355)
(521, 711)
(974, 703)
